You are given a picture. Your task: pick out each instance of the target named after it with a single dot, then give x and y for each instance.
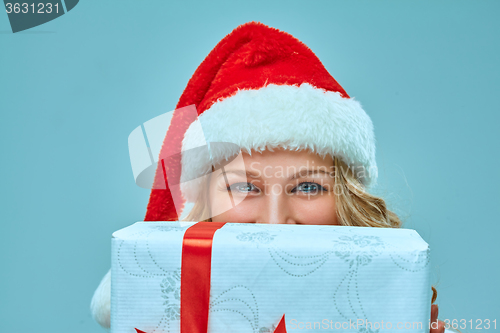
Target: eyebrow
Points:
(302, 173)
(308, 172)
(239, 172)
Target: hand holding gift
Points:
(436, 326)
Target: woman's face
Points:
(280, 187)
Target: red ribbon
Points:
(195, 278)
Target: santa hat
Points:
(260, 88)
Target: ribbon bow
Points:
(195, 278)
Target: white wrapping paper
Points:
(323, 278)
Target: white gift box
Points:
(322, 278)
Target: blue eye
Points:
(242, 187)
(309, 187)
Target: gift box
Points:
(245, 277)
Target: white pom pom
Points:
(100, 306)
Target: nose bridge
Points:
(277, 209)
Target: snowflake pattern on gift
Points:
(164, 228)
(416, 264)
(358, 250)
(171, 293)
(265, 227)
(257, 238)
(267, 329)
(367, 330)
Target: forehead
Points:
(278, 158)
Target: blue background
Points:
(73, 89)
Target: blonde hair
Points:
(355, 206)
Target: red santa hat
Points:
(260, 88)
